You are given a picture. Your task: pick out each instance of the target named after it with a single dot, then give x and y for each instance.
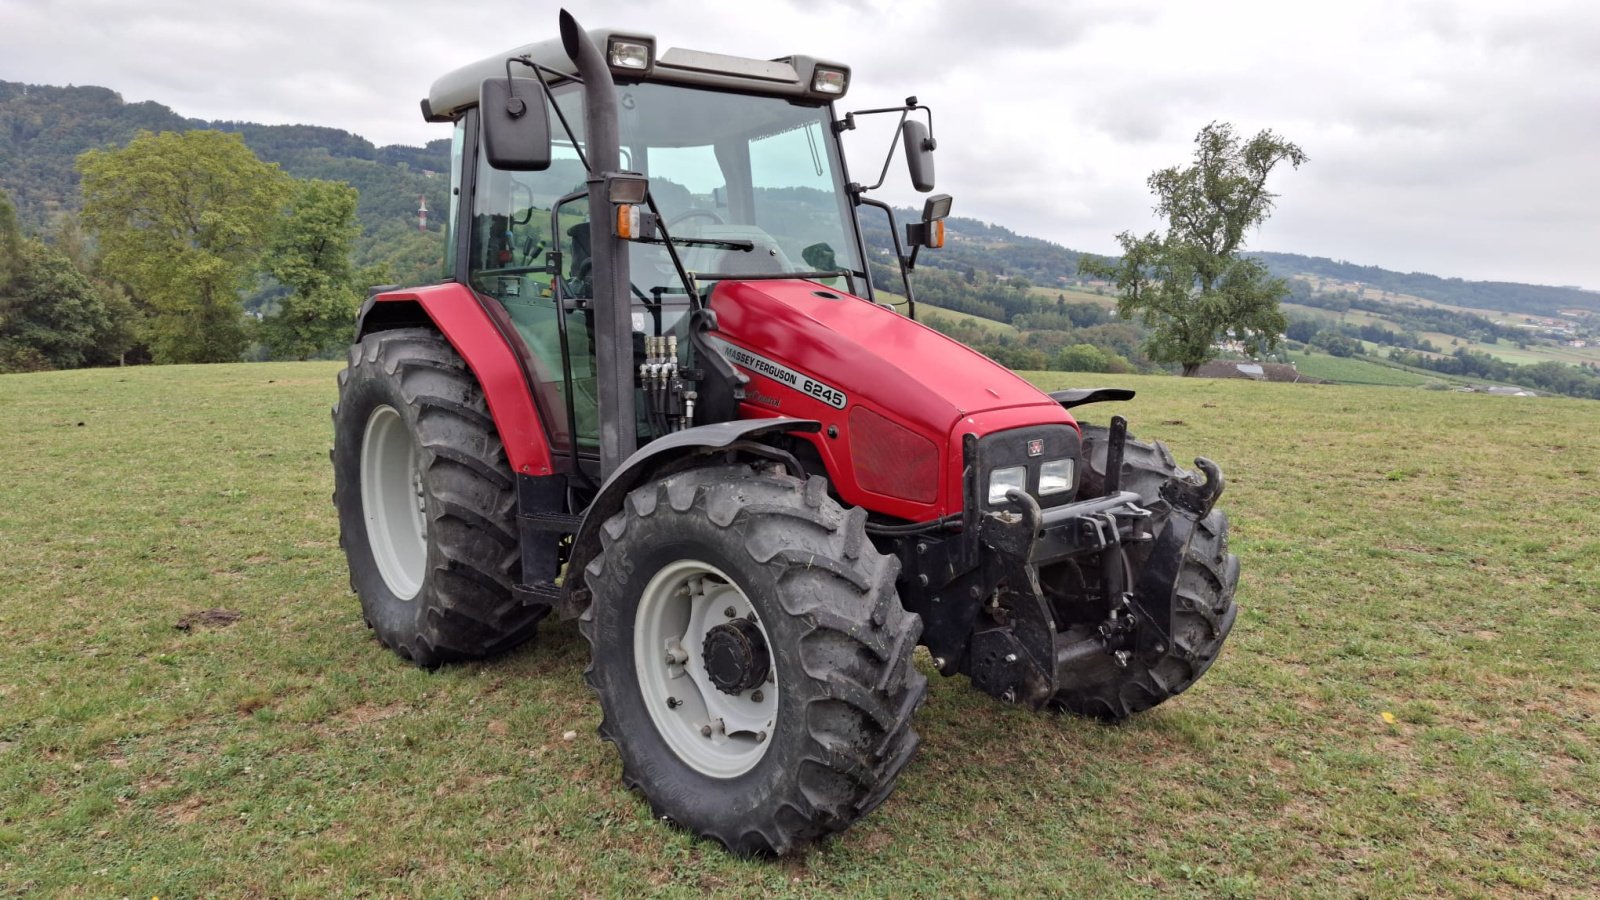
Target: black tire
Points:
(464, 607)
(1207, 579)
(841, 650)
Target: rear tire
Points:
(833, 724)
(1204, 610)
(426, 502)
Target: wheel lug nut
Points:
(705, 731)
(758, 696)
(672, 703)
(728, 612)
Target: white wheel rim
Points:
(679, 606)
(391, 500)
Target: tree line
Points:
(176, 229)
(1554, 377)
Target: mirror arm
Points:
(848, 123)
(899, 253)
(539, 72)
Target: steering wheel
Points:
(711, 214)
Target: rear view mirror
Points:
(919, 154)
(514, 124)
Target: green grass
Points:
(929, 312)
(1355, 370)
(1075, 295)
(1428, 555)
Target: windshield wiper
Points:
(746, 246)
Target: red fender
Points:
(456, 312)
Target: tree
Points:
(183, 219)
(310, 255)
(51, 317)
(10, 241)
(1082, 358)
(1189, 286)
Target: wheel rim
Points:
(392, 501)
(714, 732)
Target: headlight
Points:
(1055, 477)
(630, 54)
(1002, 480)
(829, 81)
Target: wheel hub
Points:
(736, 656)
(705, 669)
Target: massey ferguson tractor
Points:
(658, 391)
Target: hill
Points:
(44, 128)
(1495, 296)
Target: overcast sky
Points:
(1458, 138)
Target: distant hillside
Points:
(43, 129)
(972, 245)
(1494, 296)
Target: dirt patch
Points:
(359, 715)
(185, 811)
(210, 618)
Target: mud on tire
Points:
(463, 606)
(841, 654)
(1204, 608)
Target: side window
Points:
(457, 147)
(514, 250)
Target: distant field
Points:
(1354, 370)
(1511, 353)
(1409, 705)
(928, 311)
(1076, 295)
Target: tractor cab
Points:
(745, 178)
(744, 184)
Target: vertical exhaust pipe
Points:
(613, 320)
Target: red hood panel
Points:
(871, 353)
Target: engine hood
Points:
(867, 353)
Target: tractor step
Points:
(543, 593)
(560, 523)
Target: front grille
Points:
(1003, 449)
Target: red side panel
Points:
(456, 312)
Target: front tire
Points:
(426, 502)
(807, 729)
(1203, 612)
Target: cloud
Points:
(1453, 137)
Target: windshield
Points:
(738, 167)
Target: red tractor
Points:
(657, 390)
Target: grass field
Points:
(1107, 298)
(927, 311)
(1409, 704)
(1355, 370)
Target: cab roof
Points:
(791, 76)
